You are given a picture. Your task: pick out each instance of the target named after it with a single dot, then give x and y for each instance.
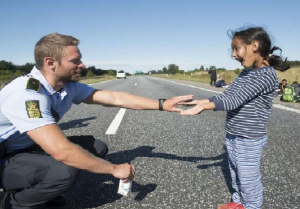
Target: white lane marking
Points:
(112, 129)
(99, 82)
(195, 87)
(135, 84)
(279, 106)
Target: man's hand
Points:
(124, 171)
(170, 104)
(195, 102)
(193, 111)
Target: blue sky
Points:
(146, 34)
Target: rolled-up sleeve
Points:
(82, 92)
(15, 108)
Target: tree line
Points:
(174, 69)
(9, 71)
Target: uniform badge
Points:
(33, 84)
(33, 109)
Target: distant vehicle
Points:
(121, 74)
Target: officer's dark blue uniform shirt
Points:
(23, 109)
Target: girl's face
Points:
(245, 54)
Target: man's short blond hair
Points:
(52, 45)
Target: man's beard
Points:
(68, 79)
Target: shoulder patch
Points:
(33, 84)
(33, 109)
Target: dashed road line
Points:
(112, 129)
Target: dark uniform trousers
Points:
(32, 178)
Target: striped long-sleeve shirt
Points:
(248, 102)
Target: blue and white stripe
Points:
(248, 102)
(244, 163)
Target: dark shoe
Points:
(57, 202)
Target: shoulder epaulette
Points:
(33, 84)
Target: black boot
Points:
(57, 202)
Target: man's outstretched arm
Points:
(126, 100)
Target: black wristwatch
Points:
(161, 103)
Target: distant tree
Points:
(153, 71)
(4, 65)
(294, 63)
(92, 69)
(165, 70)
(90, 74)
(176, 69)
(27, 67)
(111, 72)
(207, 69)
(181, 71)
(173, 69)
(100, 71)
(202, 68)
(160, 72)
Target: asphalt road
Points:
(180, 160)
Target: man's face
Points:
(71, 65)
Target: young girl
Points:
(248, 101)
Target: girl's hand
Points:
(193, 111)
(195, 102)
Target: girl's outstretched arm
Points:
(199, 108)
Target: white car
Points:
(121, 74)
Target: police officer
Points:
(41, 163)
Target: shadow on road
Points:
(146, 151)
(224, 167)
(92, 190)
(75, 123)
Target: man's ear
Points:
(50, 63)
